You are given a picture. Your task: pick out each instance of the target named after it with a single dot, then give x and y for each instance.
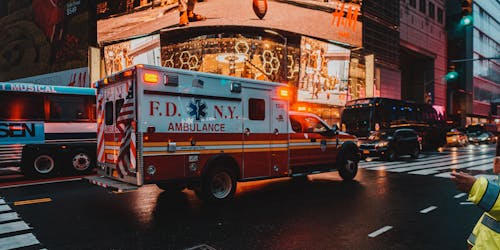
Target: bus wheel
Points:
(43, 164)
(218, 185)
(347, 163)
(81, 162)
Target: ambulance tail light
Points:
(150, 77)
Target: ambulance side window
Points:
(118, 106)
(257, 109)
(108, 113)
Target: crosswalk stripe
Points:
(424, 164)
(448, 163)
(453, 166)
(4, 208)
(382, 163)
(13, 227)
(8, 216)
(483, 167)
(18, 241)
(2, 202)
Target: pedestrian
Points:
(186, 12)
(485, 194)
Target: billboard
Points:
(332, 20)
(41, 37)
(144, 50)
(324, 73)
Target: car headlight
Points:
(382, 144)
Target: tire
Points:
(170, 187)
(392, 155)
(218, 184)
(415, 153)
(43, 164)
(347, 163)
(81, 162)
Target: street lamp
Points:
(286, 51)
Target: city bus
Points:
(47, 130)
(363, 116)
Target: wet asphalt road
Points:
(322, 213)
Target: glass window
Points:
(108, 113)
(21, 107)
(307, 124)
(440, 15)
(431, 10)
(422, 6)
(71, 108)
(257, 109)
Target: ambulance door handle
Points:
(247, 131)
(276, 131)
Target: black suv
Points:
(390, 144)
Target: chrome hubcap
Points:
(221, 185)
(44, 164)
(81, 162)
(350, 165)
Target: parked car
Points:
(456, 138)
(390, 144)
(481, 137)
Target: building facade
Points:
(423, 53)
(473, 46)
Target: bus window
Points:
(69, 108)
(21, 107)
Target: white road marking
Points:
(453, 166)
(8, 216)
(18, 241)
(483, 167)
(421, 164)
(466, 203)
(13, 227)
(389, 165)
(424, 211)
(2, 202)
(459, 195)
(380, 231)
(440, 163)
(4, 208)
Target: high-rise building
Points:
(473, 44)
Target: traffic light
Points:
(452, 74)
(466, 12)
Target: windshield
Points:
(356, 119)
(380, 135)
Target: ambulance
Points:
(177, 128)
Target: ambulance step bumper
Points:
(113, 185)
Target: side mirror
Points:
(335, 129)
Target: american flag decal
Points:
(100, 130)
(125, 124)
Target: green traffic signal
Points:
(466, 20)
(452, 75)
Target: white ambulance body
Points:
(178, 128)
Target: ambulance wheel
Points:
(43, 164)
(347, 163)
(218, 185)
(170, 187)
(81, 162)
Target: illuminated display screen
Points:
(302, 43)
(41, 36)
